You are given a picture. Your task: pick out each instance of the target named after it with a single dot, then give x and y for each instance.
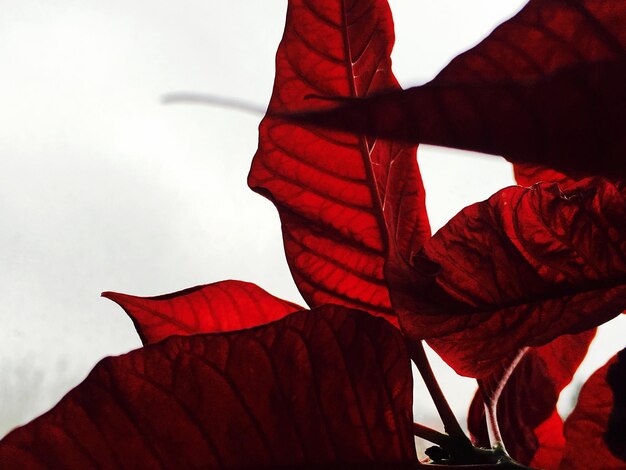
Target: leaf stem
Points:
(455, 448)
(493, 429)
(491, 396)
(450, 423)
(431, 435)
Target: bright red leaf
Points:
(212, 308)
(329, 187)
(332, 386)
(329, 385)
(527, 265)
(545, 87)
(531, 427)
(595, 432)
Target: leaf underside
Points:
(332, 386)
(325, 386)
(528, 265)
(527, 174)
(333, 190)
(221, 306)
(545, 87)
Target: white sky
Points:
(104, 188)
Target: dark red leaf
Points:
(527, 265)
(329, 187)
(545, 87)
(527, 175)
(212, 308)
(531, 427)
(329, 385)
(595, 432)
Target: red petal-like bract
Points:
(595, 432)
(527, 174)
(212, 308)
(329, 385)
(523, 267)
(545, 87)
(531, 427)
(330, 187)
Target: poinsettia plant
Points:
(508, 292)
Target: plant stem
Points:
(431, 435)
(460, 451)
(450, 423)
(491, 396)
(493, 429)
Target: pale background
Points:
(102, 187)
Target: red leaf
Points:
(545, 87)
(329, 187)
(527, 175)
(330, 385)
(528, 265)
(531, 427)
(595, 432)
(211, 308)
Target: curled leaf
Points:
(211, 308)
(528, 265)
(320, 387)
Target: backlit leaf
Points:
(330, 187)
(212, 308)
(525, 266)
(329, 385)
(527, 174)
(545, 87)
(595, 432)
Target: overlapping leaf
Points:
(545, 87)
(331, 188)
(329, 385)
(531, 427)
(527, 265)
(595, 432)
(211, 308)
(527, 174)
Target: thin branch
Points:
(450, 423)
(431, 435)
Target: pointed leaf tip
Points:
(221, 306)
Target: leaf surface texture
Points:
(326, 386)
(334, 190)
(211, 308)
(546, 87)
(526, 265)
